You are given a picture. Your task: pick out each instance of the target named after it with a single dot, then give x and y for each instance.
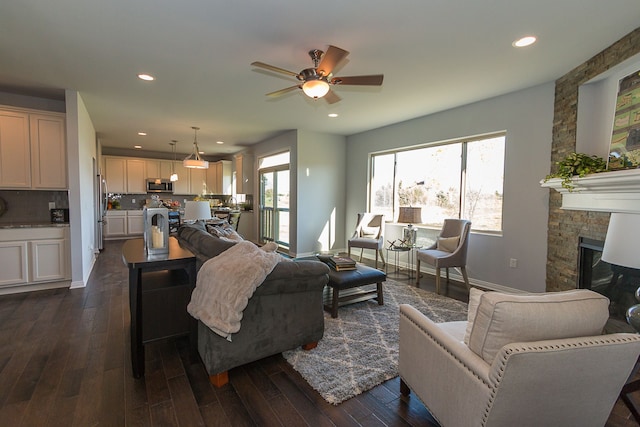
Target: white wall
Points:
(527, 117)
(81, 150)
(321, 192)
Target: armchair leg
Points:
(447, 274)
(376, 260)
(417, 272)
(466, 278)
(220, 379)
(437, 280)
(361, 250)
(404, 388)
(382, 257)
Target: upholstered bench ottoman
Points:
(362, 275)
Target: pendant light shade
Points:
(174, 175)
(194, 161)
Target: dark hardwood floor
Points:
(65, 361)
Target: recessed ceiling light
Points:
(200, 152)
(137, 147)
(333, 115)
(524, 41)
(142, 133)
(220, 142)
(146, 77)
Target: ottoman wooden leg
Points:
(380, 297)
(334, 303)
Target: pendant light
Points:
(194, 161)
(174, 175)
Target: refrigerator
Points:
(102, 198)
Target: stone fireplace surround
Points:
(567, 226)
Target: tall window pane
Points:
(382, 191)
(484, 183)
(430, 178)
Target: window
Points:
(462, 179)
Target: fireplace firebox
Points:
(617, 283)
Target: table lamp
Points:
(194, 211)
(622, 247)
(410, 215)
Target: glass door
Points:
(274, 205)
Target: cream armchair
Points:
(525, 360)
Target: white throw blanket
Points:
(226, 283)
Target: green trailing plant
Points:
(577, 164)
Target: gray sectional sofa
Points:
(285, 312)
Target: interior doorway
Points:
(273, 204)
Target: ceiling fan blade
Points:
(283, 91)
(331, 97)
(372, 80)
(274, 68)
(330, 59)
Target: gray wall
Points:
(527, 118)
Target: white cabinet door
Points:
(135, 223)
(181, 186)
(244, 174)
(152, 169)
(13, 263)
(47, 260)
(198, 181)
(115, 224)
(165, 169)
(116, 174)
(48, 152)
(15, 157)
(136, 177)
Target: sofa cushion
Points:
(507, 318)
(474, 301)
(195, 238)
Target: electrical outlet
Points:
(52, 205)
(133, 200)
(513, 263)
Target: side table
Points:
(160, 288)
(396, 251)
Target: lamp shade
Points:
(622, 244)
(410, 215)
(194, 211)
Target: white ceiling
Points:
(434, 54)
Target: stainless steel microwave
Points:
(157, 185)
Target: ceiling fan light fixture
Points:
(193, 161)
(315, 88)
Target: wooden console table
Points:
(160, 288)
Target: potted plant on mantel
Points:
(579, 165)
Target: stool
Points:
(362, 275)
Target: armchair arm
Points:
(451, 380)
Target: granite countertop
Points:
(32, 225)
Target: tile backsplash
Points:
(30, 206)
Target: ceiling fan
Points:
(316, 82)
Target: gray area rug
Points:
(360, 348)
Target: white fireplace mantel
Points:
(617, 191)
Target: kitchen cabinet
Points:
(124, 223)
(244, 173)
(33, 150)
(198, 181)
(34, 255)
(116, 174)
(135, 223)
(15, 157)
(48, 152)
(182, 185)
(125, 175)
(115, 224)
(152, 168)
(219, 177)
(165, 169)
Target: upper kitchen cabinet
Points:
(219, 177)
(182, 185)
(125, 175)
(48, 152)
(198, 182)
(15, 152)
(244, 173)
(136, 176)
